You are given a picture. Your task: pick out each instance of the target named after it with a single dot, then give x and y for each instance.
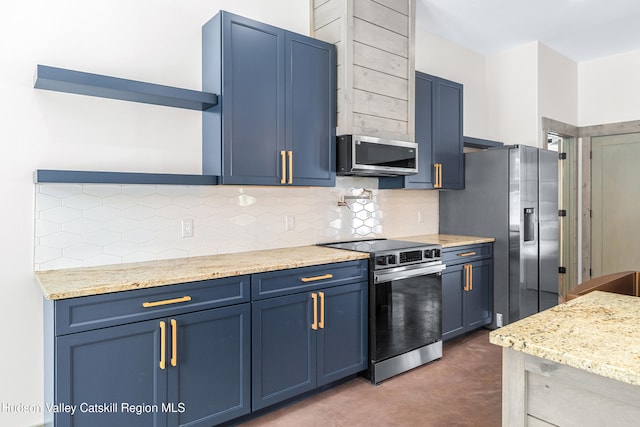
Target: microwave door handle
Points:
(387, 276)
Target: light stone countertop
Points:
(448, 240)
(598, 332)
(76, 282)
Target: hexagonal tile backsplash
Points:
(82, 225)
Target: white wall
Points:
(150, 40)
(439, 57)
(512, 81)
(558, 86)
(609, 89)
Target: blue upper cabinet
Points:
(275, 120)
(438, 131)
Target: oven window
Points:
(407, 315)
(372, 154)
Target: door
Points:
(407, 314)
(283, 349)
(253, 101)
(342, 341)
(424, 132)
(447, 139)
(615, 193)
(118, 365)
(310, 111)
(210, 382)
(479, 296)
(548, 230)
(453, 319)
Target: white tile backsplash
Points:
(82, 225)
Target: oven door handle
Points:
(387, 276)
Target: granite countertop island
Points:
(574, 364)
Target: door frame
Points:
(583, 137)
(564, 130)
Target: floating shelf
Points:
(480, 143)
(42, 176)
(63, 80)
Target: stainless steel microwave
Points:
(370, 156)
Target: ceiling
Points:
(581, 30)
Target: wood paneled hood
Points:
(375, 44)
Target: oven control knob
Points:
(391, 259)
(428, 253)
(381, 260)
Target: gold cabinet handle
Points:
(470, 277)
(440, 181)
(283, 161)
(314, 278)
(174, 342)
(435, 174)
(314, 325)
(185, 298)
(321, 323)
(163, 343)
(467, 254)
(290, 154)
(466, 277)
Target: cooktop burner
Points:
(392, 253)
(374, 245)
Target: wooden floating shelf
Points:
(70, 81)
(42, 176)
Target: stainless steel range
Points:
(405, 298)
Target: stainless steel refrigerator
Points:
(511, 193)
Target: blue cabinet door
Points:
(310, 110)
(480, 297)
(283, 349)
(342, 342)
(438, 132)
(448, 139)
(276, 115)
(453, 301)
(119, 365)
(253, 92)
(210, 382)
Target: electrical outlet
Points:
(289, 223)
(499, 320)
(187, 228)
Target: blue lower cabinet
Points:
(306, 340)
(100, 373)
(211, 379)
(190, 369)
(467, 289)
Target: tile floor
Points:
(461, 389)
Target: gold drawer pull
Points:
(314, 278)
(314, 325)
(283, 159)
(467, 254)
(174, 342)
(321, 323)
(166, 302)
(163, 344)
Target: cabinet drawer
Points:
(466, 254)
(99, 311)
(284, 282)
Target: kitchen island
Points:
(576, 364)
